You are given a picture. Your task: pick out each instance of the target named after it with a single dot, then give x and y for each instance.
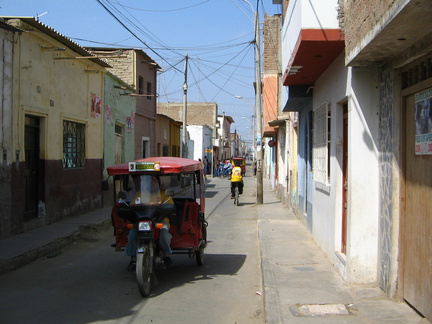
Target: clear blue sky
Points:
(215, 34)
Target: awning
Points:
(300, 97)
(277, 122)
(314, 51)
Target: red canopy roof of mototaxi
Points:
(168, 164)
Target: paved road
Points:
(88, 282)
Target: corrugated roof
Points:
(54, 34)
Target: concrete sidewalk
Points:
(302, 286)
(45, 241)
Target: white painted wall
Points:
(331, 87)
(305, 14)
(358, 86)
(199, 141)
(363, 201)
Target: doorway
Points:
(31, 167)
(118, 144)
(145, 147)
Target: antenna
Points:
(37, 16)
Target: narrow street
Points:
(89, 283)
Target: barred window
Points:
(321, 144)
(73, 144)
(165, 150)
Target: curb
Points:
(53, 248)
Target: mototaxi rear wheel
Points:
(199, 255)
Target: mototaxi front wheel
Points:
(144, 269)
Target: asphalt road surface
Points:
(89, 282)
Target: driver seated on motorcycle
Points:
(236, 178)
(157, 195)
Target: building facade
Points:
(119, 129)
(200, 142)
(359, 93)
(167, 136)
(395, 42)
(57, 135)
(223, 143)
(197, 113)
(333, 117)
(7, 223)
(139, 71)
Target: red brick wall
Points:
(271, 32)
(357, 18)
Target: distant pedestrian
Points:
(216, 167)
(207, 165)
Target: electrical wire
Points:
(130, 31)
(166, 10)
(207, 72)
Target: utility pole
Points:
(223, 136)
(259, 148)
(258, 115)
(184, 148)
(253, 137)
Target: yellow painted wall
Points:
(56, 89)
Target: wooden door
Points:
(417, 273)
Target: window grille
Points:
(321, 144)
(119, 129)
(73, 144)
(165, 150)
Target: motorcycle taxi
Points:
(159, 209)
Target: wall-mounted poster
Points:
(423, 122)
(95, 107)
(130, 122)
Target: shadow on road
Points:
(185, 270)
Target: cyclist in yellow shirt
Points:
(236, 178)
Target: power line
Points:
(166, 10)
(130, 31)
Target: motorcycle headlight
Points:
(144, 226)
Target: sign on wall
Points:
(423, 122)
(95, 107)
